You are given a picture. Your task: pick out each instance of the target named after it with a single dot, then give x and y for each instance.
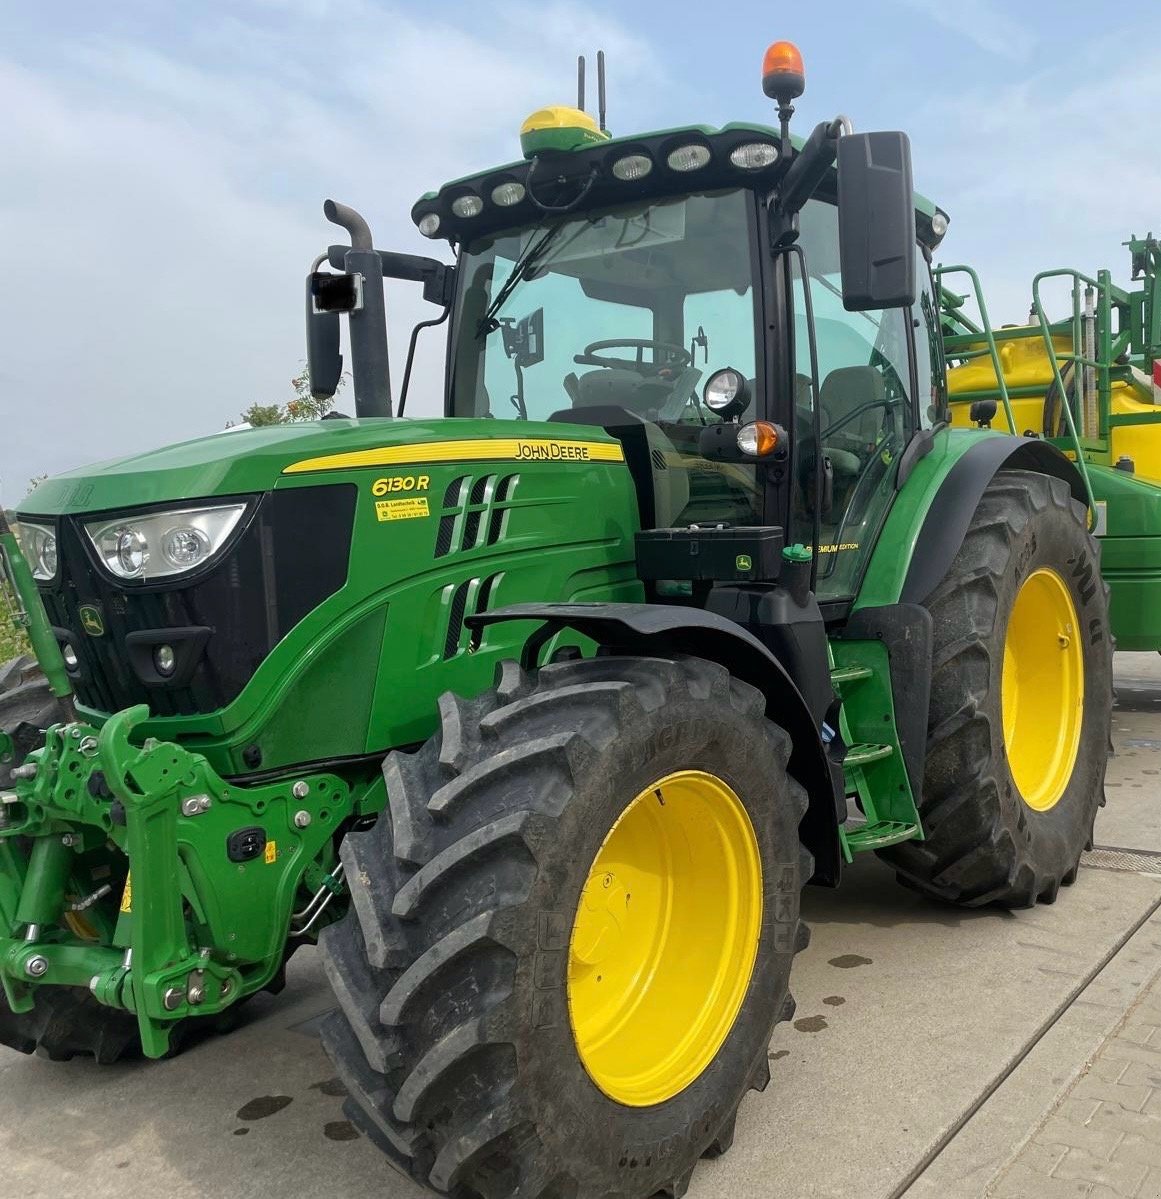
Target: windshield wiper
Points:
(533, 252)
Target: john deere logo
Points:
(92, 621)
(743, 562)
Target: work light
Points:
(726, 393)
(632, 166)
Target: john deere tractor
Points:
(538, 717)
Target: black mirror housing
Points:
(324, 358)
(876, 206)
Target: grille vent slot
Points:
(473, 517)
(470, 597)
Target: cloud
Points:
(990, 27)
(164, 186)
(1034, 177)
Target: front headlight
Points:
(158, 545)
(39, 545)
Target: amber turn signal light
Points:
(758, 439)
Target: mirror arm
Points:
(811, 164)
(438, 278)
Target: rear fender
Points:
(935, 506)
(660, 630)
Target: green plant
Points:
(303, 406)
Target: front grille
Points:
(292, 555)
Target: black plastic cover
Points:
(727, 554)
(245, 844)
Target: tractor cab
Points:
(751, 315)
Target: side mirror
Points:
(876, 207)
(324, 359)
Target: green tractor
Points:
(538, 717)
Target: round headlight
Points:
(467, 206)
(184, 546)
(507, 194)
(130, 552)
(40, 550)
(726, 393)
(939, 224)
(632, 166)
(164, 659)
(48, 556)
(688, 158)
(753, 156)
(70, 656)
(429, 224)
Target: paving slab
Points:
(918, 1029)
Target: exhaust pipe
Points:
(367, 322)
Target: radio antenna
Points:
(580, 82)
(601, 88)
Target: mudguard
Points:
(955, 502)
(936, 500)
(663, 630)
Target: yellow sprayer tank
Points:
(1025, 363)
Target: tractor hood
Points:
(255, 460)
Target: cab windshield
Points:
(631, 308)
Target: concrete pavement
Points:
(934, 1053)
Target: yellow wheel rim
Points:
(1043, 689)
(665, 938)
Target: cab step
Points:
(842, 676)
(878, 835)
(863, 753)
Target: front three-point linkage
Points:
(190, 857)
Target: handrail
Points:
(1077, 356)
(985, 332)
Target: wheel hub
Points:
(665, 937)
(1043, 689)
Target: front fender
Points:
(930, 516)
(661, 630)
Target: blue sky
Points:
(165, 163)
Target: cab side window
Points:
(867, 414)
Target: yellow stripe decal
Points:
(493, 449)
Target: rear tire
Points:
(989, 841)
(452, 970)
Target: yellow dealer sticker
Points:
(127, 895)
(401, 509)
(271, 852)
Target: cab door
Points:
(868, 410)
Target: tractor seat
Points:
(609, 386)
(843, 391)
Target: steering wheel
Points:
(676, 357)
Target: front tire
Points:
(1021, 703)
(478, 1046)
